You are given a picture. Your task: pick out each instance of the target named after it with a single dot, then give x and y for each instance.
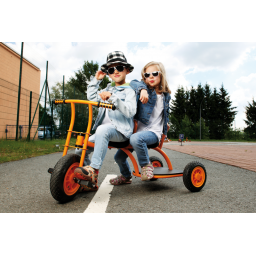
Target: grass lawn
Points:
(11, 150)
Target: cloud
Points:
(245, 91)
(179, 59)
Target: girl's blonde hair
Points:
(163, 86)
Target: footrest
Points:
(165, 171)
(81, 182)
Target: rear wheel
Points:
(194, 176)
(156, 162)
(62, 185)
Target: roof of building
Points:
(19, 54)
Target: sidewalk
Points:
(240, 154)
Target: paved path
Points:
(24, 187)
(240, 154)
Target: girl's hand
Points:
(100, 75)
(105, 95)
(168, 127)
(144, 96)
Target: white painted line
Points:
(100, 201)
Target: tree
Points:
(217, 113)
(76, 88)
(46, 115)
(84, 75)
(250, 121)
(178, 106)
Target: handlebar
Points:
(94, 103)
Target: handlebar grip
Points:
(105, 105)
(59, 101)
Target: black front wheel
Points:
(62, 185)
(194, 176)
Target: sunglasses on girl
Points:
(155, 74)
(119, 68)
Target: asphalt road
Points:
(24, 188)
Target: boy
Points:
(110, 125)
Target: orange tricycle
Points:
(63, 183)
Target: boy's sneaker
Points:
(86, 173)
(147, 172)
(120, 180)
(90, 187)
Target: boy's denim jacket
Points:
(144, 111)
(123, 97)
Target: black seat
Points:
(123, 144)
(126, 143)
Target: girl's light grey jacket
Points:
(123, 97)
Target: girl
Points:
(152, 115)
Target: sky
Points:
(187, 64)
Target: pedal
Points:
(50, 170)
(81, 182)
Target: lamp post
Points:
(200, 116)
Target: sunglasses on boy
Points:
(119, 68)
(155, 74)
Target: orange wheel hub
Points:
(156, 164)
(69, 185)
(198, 176)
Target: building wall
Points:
(9, 82)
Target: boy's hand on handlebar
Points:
(105, 95)
(144, 96)
(100, 75)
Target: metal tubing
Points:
(87, 134)
(165, 157)
(18, 106)
(73, 111)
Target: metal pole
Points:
(45, 97)
(200, 120)
(29, 119)
(37, 105)
(62, 107)
(51, 103)
(18, 106)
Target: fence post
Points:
(18, 106)
(51, 103)
(29, 119)
(62, 108)
(45, 97)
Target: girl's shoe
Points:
(86, 173)
(120, 180)
(147, 172)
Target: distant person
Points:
(152, 115)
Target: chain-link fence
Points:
(8, 109)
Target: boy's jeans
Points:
(139, 142)
(104, 134)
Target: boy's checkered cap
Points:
(116, 57)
